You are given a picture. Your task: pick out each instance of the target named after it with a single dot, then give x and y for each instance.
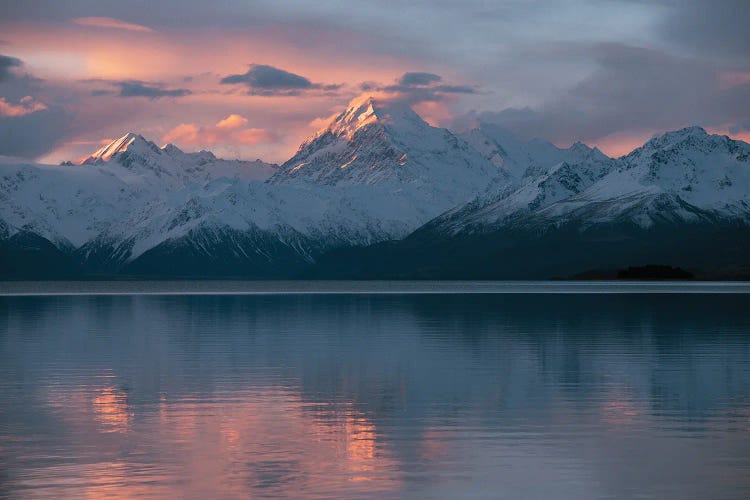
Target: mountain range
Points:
(379, 193)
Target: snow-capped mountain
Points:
(139, 159)
(710, 172)
(522, 159)
(675, 176)
(386, 146)
(71, 204)
(683, 176)
(101, 207)
(379, 183)
(683, 198)
(559, 183)
(376, 173)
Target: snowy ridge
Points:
(113, 193)
(386, 146)
(679, 177)
(132, 196)
(522, 159)
(376, 172)
(138, 159)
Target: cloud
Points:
(253, 136)
(7, 64)
(110, 23)
(140, 89)
(28, 126)
(741, 126)
(631, 89)
(185, 133)
(416, 87)
(717, 29)
(135, 88)
(231, 122)
(30, 129)
(415, 78)
(261, 76)
(264, 80)
(229, 131)
(455, 89)
(25, 106)
(369, 86)
(322, 122)
(539, 69)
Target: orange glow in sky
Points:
(617, 145)
(182, 100)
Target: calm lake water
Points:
(365, 394)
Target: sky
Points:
(252, 79)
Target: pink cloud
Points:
(436, 113)
(231, 122)
(184, 133)
(731, 79)
(253, 136)
(230, 130)
(198, 60)
(323, 121)
(125, 53)
(25, 106)
(110, 23)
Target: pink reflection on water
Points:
(223, 444)
(111, 409)
(619, 408)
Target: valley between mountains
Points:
(381, 194)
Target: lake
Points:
(375, 390)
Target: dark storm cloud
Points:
(466, 28)
(419, 87)
(265, 80)
(416, 78)
(15, 85)
(716, 28)
(262, 79)
(455, 89)
(28, 127)
(631, 89)
(7, 64)
(740, 126)
(33, 134)
(134, 88)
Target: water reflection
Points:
(349, 396)
(111, 409)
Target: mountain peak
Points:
(367, 109)
(582, 150)
(693, 130)
(129, 142)
(581, 147)
(676, 136)
(171, 149)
